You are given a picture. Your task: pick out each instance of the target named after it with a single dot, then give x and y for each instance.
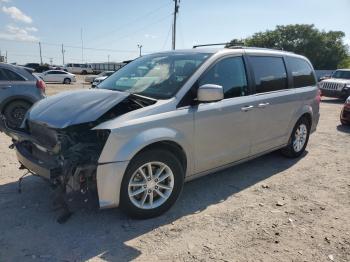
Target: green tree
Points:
(326, 50)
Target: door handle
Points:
(263, 105)
(247, 108)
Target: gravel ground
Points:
(269, 209)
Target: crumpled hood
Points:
(74, 107)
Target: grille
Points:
(332, 86)
(46, 136)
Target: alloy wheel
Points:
(300, 137)
(151, 185)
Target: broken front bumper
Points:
(108, 175)
(37, 166)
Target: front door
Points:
(222, 129)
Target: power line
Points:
(129, 23)
(167, 37)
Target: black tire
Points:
(152, 155)
(67, 81)
(84, 72)
(343, 122)
(15, 112)
(289, 150)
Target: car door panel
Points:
(222, 132)
(271, 116)
(222, 129)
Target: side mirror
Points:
(210, 93)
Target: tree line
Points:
(325, 49)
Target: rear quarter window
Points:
(302, 72)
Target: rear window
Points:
(302, 72)
(269, 73)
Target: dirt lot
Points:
(269, 209)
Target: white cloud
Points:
(16, 33)
(17, 14)
(31, 29)
(5, 1)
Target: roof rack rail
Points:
(195, 46)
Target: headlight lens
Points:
(347, 101)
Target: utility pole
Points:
(140, 47)
(6, 56)
(51, 61)
(41, 58)
(108, 62)
(176, 10)
(63, 51)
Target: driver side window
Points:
(230, 74)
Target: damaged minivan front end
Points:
(58, 141)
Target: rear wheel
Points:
(15, 112)
(84, 72)
(298, 139)
(66, 81)
(151, 184)
(343, 122)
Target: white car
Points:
(97, 81)
(82, 69)
(57, 76)
(90, 78)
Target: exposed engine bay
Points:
(67, 157)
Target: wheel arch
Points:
(12, 99)
(171, 146)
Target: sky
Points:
(112, 29)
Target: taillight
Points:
(318, 96)
(41, 85)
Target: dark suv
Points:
(19, 89)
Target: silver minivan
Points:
(167, 118)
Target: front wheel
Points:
(66, 81)
(152, 183)
(298, 139)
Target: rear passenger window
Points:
(11, 76)
(302, 72)
(230, 74)
(270, 73)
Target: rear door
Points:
(223, 128)
(274, 105)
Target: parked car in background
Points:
(19, 90)
(82, 69)
(37, 67)
(345, 113)
(97, 81)
(167, 118)
(338, 85)
(57, 76)
(91, 78)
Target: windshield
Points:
(158, 76)
(341, 74)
